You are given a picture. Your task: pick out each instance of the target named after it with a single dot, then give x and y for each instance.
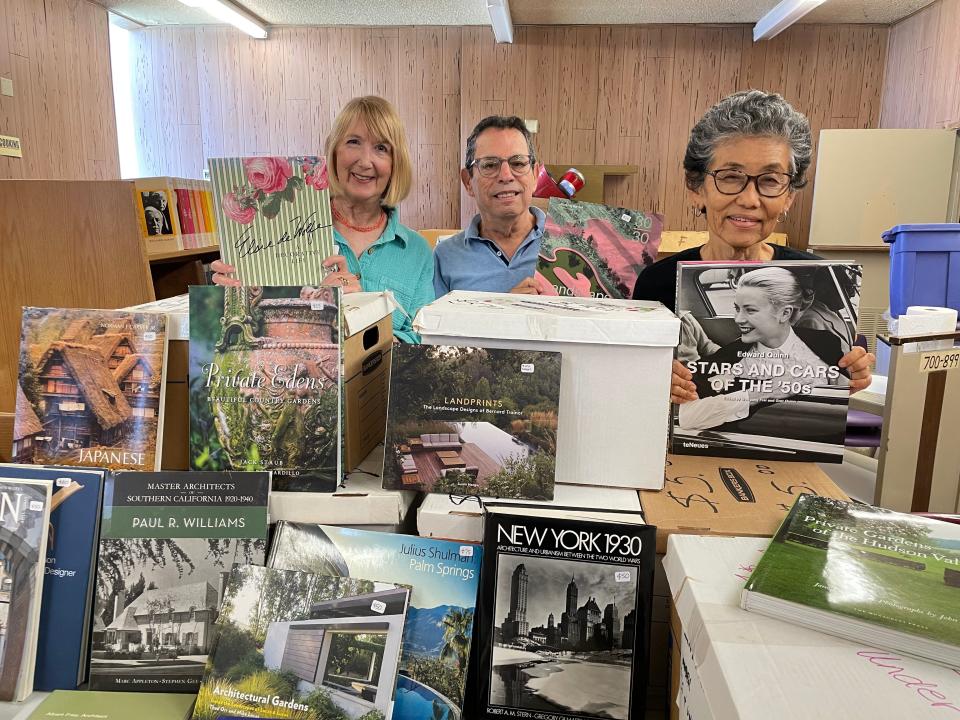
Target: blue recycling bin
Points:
(924, 266)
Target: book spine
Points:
(185, 213)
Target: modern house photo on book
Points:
(473, 420)
(763, 343)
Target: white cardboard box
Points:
(446, 516)
(741, 665)
(615, 383)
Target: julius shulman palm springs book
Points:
(168, 541)
(564, 620)
(303, 646)
(443, 577)
(869, 575)
(91, 388)
(273, 217)
(763, 341)
(473, 420)
(265, 383)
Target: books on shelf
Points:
(443, 577)
(91, 388)
(167, 543)
(302, 645)
(273, 217)
(113, 706)
(265, 383)
(564, 622)
(175, 213)
(24, 519)
(763, 341)
(592, 250)
(878, 577)
(473, 420)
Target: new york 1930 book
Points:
(564, 619)
(869, 575)
(91, 388)
(304, 646)
(168, 541)
(265, 383)
(473, 420)
(273, 217)
(24, 519)
(763, 341)
(443, 577)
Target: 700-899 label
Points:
(942, 360)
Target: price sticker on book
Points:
(466, 551)
(378, 606)
(941, 360)
(149, 336)
(622, 576)
(63, 482)
(35, 506)
(526, 368)
(316, 305)
(626, 218)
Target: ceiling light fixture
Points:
(235, 15)
(500, 20)
(781, 17)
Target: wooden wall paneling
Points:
(319, 79)
(776, 63)
(167, 100)
(540, 94)
(341, 82)
(430, 123)
(471, 59)
(609, 98)
(515, 100)
(144, 101)
(451, 61)
(753, 57)
(654, 137)
(208, 92)
(385, 80)
(408, 107)
(186, 77)
(947, 89)
(103, 145)
(232, 109)
(564, 104)
(60, 51)
(631, 81)
(731, 61)
(847, 84)
(6, 66)
(275, 98)
(868, 115)
(254, 90)
(678, 213)
(295, 43)
(586, 74)
(493, 65)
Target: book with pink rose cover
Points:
(273, 217)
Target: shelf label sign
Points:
(10, 146)
(943, 360)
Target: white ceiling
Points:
(525, 12)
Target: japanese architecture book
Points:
(764, 342)
(301, 646)
(564, 619)
(273, 217)
(473, 420)
(168, 541)
(878, 577)
(591, 250)
(91, 383)
(24, 519)
(265, 383)
(443, 577)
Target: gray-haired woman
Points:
(746, 158)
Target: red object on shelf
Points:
(571, 182)
(546, 186)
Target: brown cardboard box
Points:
(729, 496)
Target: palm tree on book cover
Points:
(456, 637)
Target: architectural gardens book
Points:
(168, 541)
(273, 217)
(443, 577)
(265, 383)
(591, 250)
(303, 646)
(91, 383)
(564, 620)
(763, 341)
(113, 706)
(24, 519)
(473, 420)
(886, 579)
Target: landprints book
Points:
(92, 388)
(763, 341)
(304, 646)
(564, 620)
(168, 541)
(869, 575)
(24, 518)
(265, 383)
(273, 217)
(443, 577)
(113, 706)
(591, 250)
(473, 420)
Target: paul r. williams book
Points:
(273, 217)
(265, 383)
(113, 706)
(763, 341)
(67, 605)
(591, 250)
(24, 518)
(473, 420)
(443, 577)
(92, 388)
(301, 646)
(873, 576)
(168, 541)
(564, 619)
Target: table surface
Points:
(21, 711)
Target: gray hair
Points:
(500, 122)
(750, 113)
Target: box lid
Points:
(363, 309)
(890, 236)
(509, 316)
(177, 310)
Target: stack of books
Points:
(175, 213)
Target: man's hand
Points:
(223, 274)
(857, 362)
(339, 276)
(527, 286)
(682, 387)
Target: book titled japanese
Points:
(763, 342)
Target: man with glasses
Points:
(498, 250)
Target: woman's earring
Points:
(697, 212)
(782, 217)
